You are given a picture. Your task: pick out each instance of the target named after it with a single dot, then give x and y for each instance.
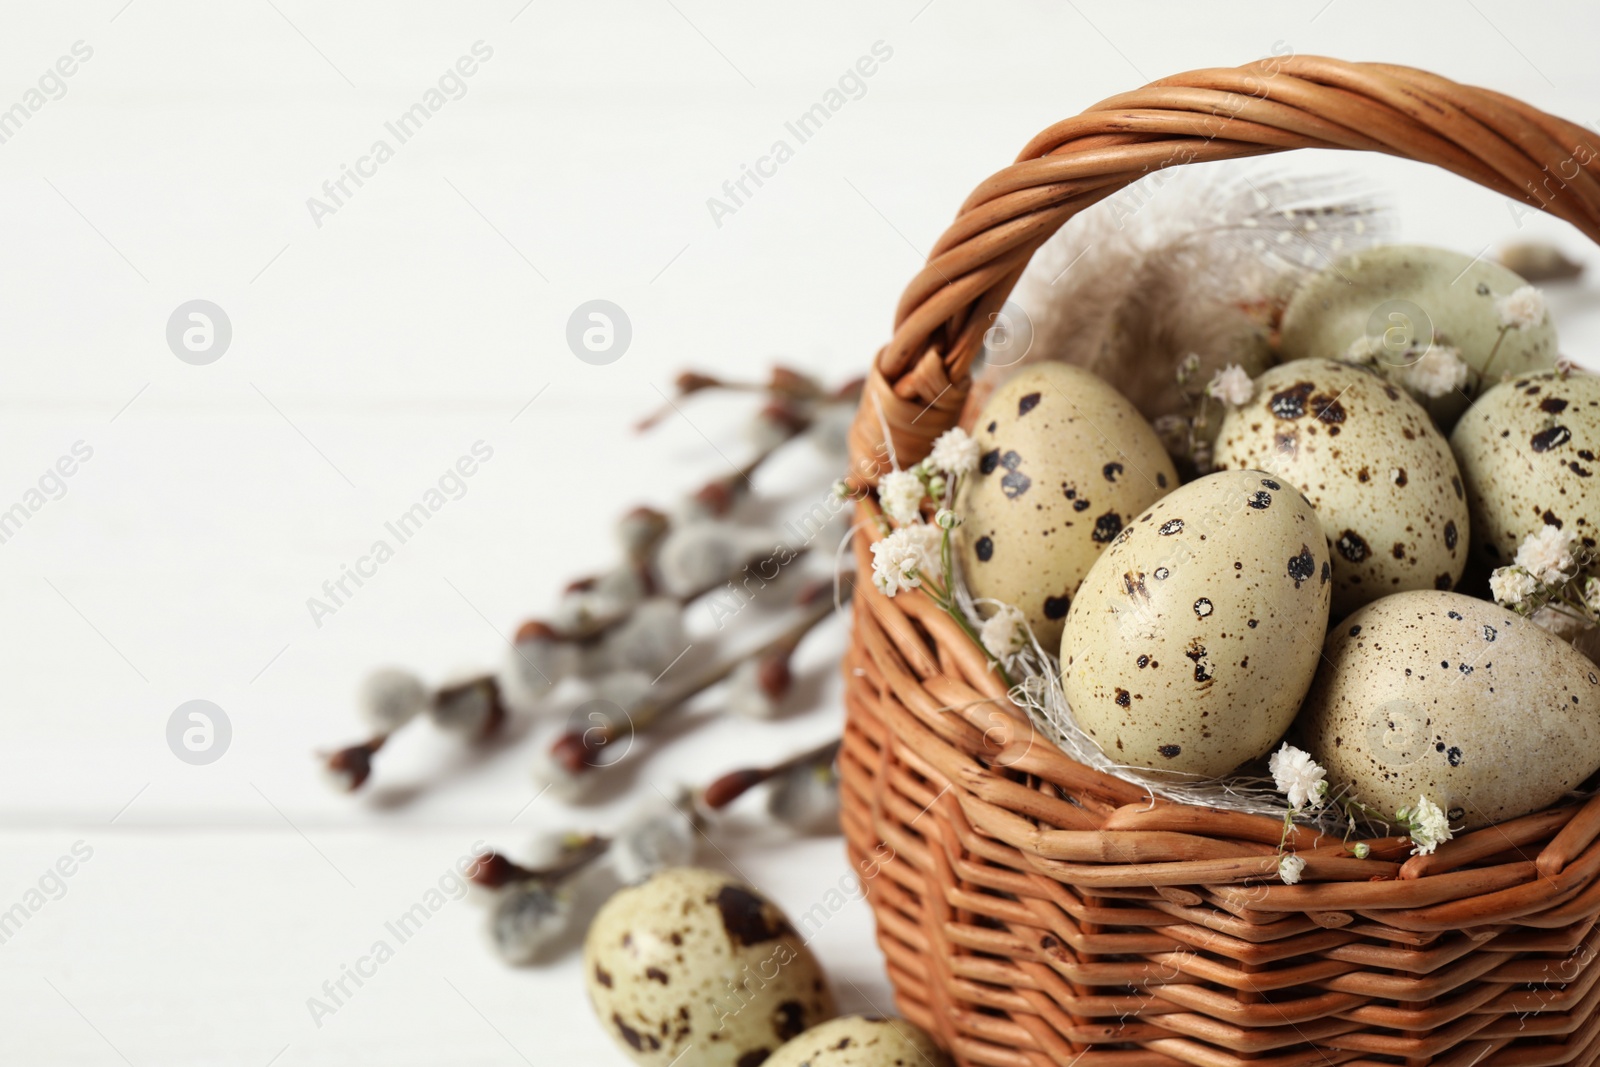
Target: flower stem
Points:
(1483, 374)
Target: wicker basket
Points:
(1034, 911)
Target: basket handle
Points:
(919, 380)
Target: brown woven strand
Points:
(1036, 912)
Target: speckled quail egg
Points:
(695, 959)
(1401, 297)
(1527, 452)
(1369, 459)
(1195, 635)
(1065, 463)
(1457, 699)
(855, 1041)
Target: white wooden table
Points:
(375, 338)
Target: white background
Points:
(372, 351)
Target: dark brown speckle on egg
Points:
(1329, 412)
(1027, 404)
(745, 917)
(1302, 566)
(1352, 546)
(1107, 527)
(790, 1020)
(1290, 403)
(1548, 439)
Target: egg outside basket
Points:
(1034, 911)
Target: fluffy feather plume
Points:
(1195, 260)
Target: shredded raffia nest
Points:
(1038, 692)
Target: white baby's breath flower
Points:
(906, 558)
(1510, 586)
(1290, 868)
(1361, 850)
(1522, 310)
(1437, 372)
(1298, 777)
(1231, 385)
(1005, 632)
(1187, 367)
(955, 452)
(901, 494)
(1365, 349)
(1591, 594)
(1428, 827)
(1547, 554)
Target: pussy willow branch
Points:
(784, 385)
(493, 870)
(733, 785)
(577, 749)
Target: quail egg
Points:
(1393, 302)
(695, 959)
(855, 1041)
(1381, 477)
(1195, 635)
(1065, 463)
(1527, 452)
(1456, 699)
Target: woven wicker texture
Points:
(1036, 912)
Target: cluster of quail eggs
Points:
(1327, 582)
(695, 967)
